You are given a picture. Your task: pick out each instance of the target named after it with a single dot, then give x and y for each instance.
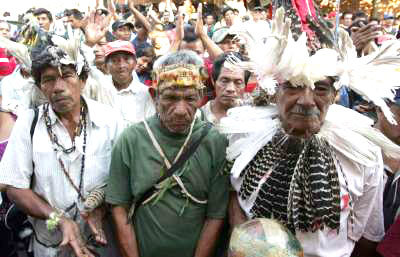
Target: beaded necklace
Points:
(82, 126)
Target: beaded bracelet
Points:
(53, 220)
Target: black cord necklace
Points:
(82, 126)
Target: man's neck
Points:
(392, 163)
(71, 119)
(219, 110)
(122, 85)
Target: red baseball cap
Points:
(119, 46)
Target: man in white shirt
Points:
(121, 89)
(132, 98)
(58, 156)
(229, 84)
(314, 166)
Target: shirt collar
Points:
(95, 115)
(134, 88)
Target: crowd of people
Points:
(163, 129)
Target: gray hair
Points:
(179, 57)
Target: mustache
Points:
(299, 109)
(59, 97)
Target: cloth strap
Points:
(152, 191)
(159, 149)
(168, 164)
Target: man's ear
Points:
(82, 83)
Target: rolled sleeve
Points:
(16, 167)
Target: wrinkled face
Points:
(120, 65)
(44, 21)
(196, 46)
(229, 44)
(143, 64)
(123, 33)
(229, 16)
(177, 107)
(389, 130)
(302, 110)
(4, 30)
(347, 19)
(229, 87)
(62, 90)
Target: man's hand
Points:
(95, 222)
(362, 36)
(72, 237)
(96, 27)
(199, 23)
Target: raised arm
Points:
(139, 16)
(111, 8)
(96, 28)
(179, 32)
(212, 48)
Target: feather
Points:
(71, 47)
(375, 76)
(356, 134)
(265, 56)
(348, 132)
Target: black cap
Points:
(119, 23)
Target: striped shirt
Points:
(50, 182)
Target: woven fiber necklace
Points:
(82, 126)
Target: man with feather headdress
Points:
(57, 160)
(312, 165)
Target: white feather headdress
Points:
(282, 58)
(72, 49)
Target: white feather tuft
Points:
(71, 47)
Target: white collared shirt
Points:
(208, 114)
(49, 180)
(134, 103)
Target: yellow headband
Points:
(179, 75)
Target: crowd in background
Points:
(152, 31)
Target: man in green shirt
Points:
(184, 216)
